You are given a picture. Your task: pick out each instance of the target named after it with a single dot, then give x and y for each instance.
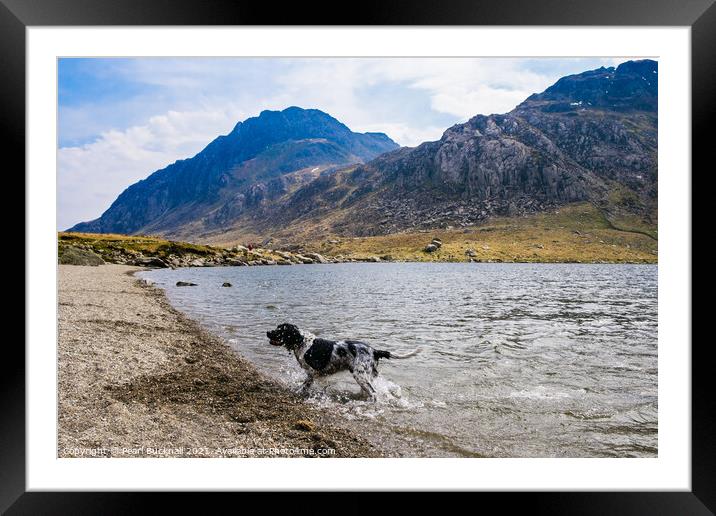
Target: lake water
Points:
(517, 360)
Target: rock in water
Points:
(150, 261)
(185, 284)
(316, 257)
(226, 284)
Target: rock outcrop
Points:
(590, 137)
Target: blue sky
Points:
(120, 119)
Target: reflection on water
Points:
(518, 360)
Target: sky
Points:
(120, 119)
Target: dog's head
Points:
(287, 335)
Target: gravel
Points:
(139, 379)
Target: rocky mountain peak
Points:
(255, 159)
(632, 86)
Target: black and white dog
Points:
(321, 357)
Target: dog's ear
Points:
(288, 329)
(293, 337)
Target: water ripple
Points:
(519, 360)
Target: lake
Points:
(517, 360)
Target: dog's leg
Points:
(306, 384)
(362, 375)
(365, 385)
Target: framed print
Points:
(425, 245)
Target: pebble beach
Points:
(136, 378)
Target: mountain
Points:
(261, 159)
(590, 137)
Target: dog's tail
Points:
(378, 353)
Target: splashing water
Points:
(519, 360)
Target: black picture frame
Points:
(700, 15)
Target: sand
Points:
(136, 378)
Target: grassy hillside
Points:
(157, 252)
(577, 232)
(573, 233)
(107, 243)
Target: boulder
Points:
(430, 248)
(316, 257)
(71, 255)
(150, 261)
(471, 253)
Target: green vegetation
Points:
(578, 233)
(573, 233)
(621, 210)
(156, 252)
(68, 255)
(106, 243)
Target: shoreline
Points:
(137, 378)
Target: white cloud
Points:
(405, 134)
(91, 176)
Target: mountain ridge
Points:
(157, 202)
(599, 146)
(590, 137)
